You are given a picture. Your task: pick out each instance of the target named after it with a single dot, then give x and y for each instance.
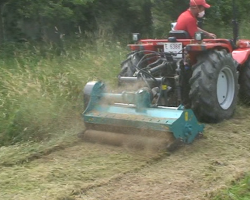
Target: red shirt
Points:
(187, 22)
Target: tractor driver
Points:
(187, 20)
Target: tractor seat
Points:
(179, 34)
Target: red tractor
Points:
(205, 75)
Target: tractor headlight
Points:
(136, 37)
(199, 36)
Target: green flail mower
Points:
(132, 113)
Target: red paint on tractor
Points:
(241, 55)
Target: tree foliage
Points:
(150, 17)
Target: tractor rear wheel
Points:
(244, 81)
(128, 66)
(214, 86)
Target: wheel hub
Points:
(225, 88)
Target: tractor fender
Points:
(241, 55)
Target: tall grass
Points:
(41, 91)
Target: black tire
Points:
(244, 81)
(214, 86)
(128, 66)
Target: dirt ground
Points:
(87, 171)
(193, 172)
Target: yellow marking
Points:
(186, 116)
(164, 87)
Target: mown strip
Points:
(28, 151)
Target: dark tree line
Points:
(36, 19)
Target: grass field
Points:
(66, 167)
(41, 156)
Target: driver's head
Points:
(198, 7)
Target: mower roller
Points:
(131, 113)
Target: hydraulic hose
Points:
(158, 68)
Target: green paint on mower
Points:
(134, 110)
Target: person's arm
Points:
(210, 35)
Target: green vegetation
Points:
(239, 190)
(36, 20)
(42, 94)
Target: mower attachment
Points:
(133, 110)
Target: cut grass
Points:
(196, 171)
(92, 171)
(25, 152)
(67, 172)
